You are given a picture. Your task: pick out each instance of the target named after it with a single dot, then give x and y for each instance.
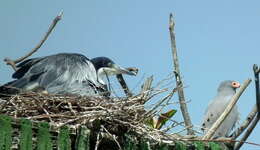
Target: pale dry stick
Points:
(112, 136)
(228, 109)
(160, 102)
(245, 124)
(257, 118)
(98, 141)
(52, 26)
(183, 106)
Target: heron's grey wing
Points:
(58, 71)
(68, 69)
(82, 89)
(24, 66)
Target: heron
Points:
(66, 73)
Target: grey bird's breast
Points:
(213, 112)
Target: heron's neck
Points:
(101, 74)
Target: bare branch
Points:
(255, 121)
(52, 26)
(247, 133)
(245, 124)
(223, 116)
(179, 83)
(257, 92)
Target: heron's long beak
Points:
(121, 70)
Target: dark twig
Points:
(13, 63)
(255, 121)
(227, 110)
(179, 83)
(257, 92)
(245, 124)
(247, 133)
(122, 82)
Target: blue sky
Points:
(216, 40)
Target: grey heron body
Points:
(64, 73)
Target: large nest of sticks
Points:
(116, 115)
(62, 110)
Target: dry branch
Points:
(223, 116)
(179, 83)
(13, 63)
(247, 133)
(255, 121)
(245, 124)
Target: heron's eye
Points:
(109, 64)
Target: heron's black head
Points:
(105, 66)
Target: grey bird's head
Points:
(106, 67)
(228, 86)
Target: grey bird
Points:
(216, 107)
(66, 73)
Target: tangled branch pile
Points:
(116, 115)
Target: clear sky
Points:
(216, 40)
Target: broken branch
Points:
(179, 83)
(13, 63)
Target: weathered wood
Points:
(176, 71)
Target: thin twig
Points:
(245, 124)
(228, 109)
(112, 136)
(98, 141)
(255, 121)
(13, 63)
(179, 83)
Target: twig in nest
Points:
(179, 83)
(98, 141)
(228, 109)
(112, 136)
(13, 63)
